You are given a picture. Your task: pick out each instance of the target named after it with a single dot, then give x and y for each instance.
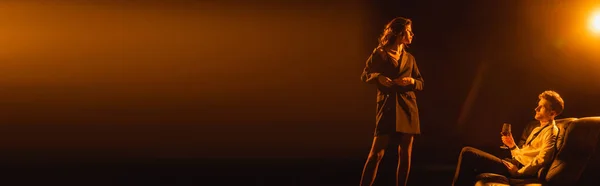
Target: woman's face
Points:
(406, 37)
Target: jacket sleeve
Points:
(544, 157)
(373, 68)
(419, 82)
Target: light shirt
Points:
(534, 155)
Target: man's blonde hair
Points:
(556, 102)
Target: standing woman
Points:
(394, 72)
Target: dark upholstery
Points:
(489, 179)
(577, 142)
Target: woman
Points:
(394, 72)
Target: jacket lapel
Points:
(403, 61)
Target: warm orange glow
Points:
(595, 22)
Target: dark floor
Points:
(217, 172)
(292, 172)
(428, 169)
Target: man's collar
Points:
(553, 122)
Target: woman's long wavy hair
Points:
(394, 29)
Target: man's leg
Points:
(404, 158)
(375, 155)
(472, 162)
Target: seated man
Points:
(536, 152)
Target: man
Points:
(536, 152)
(395, 73)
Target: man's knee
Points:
(468, 151)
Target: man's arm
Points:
(516, 150)
(545, 155)
(526, 132)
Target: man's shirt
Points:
(538, 149)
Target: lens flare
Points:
(595, 22)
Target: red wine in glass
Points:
(505, 132)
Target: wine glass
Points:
(505, 132)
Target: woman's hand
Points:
(385, 81)
(405, 81)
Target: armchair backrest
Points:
(561, 124)
(577, 142)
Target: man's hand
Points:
(405, 81)
(508, 141)
(512, 169)
(385, 81)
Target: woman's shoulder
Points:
(409, 54)
(379, 53)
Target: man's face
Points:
(543, 112)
